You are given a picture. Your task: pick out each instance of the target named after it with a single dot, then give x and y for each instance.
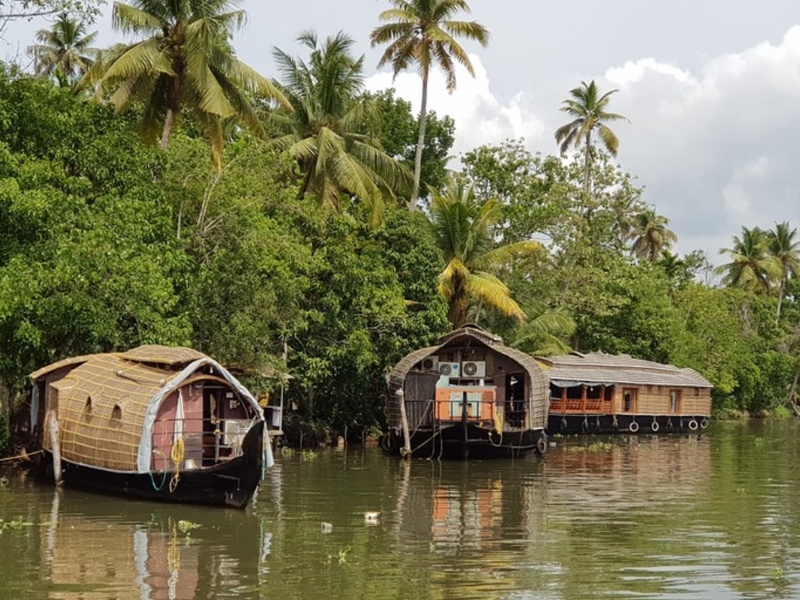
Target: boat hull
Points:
(451, 442)
(625, 423)
(231, 483)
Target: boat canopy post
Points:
(404, 423)
(55, 445)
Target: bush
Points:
(781, 412)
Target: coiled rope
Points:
(498, 426)
(176, 454)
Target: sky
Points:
(711, 89)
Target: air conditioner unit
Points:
(451, 369)
(429, 364)
(474, 368)
(235, 430)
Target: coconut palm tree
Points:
(786, 250)
(463, 228)
(545, 331)
(64, 51)
(184, 65)
(751, 264)
(650, 235)
(324, 131)
(423, 32)
(588, 109)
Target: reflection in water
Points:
(703, 516)
(99, 556)
(93, 547)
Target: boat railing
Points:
(205, 442)
(579, 405)
(482, 408)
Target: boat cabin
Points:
(604, 393)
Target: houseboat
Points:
(155, 422)
(604, 393)
(469, 396)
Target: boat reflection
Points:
(473, 506)
(96, 547)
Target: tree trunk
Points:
(780, 294)
(423, 119)
(172, 108)
(166, 132)
(586, 174)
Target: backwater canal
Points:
(715, 515)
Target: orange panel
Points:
(480, 403)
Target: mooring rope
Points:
(24, 455)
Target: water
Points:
(695, 517)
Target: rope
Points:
(177, 455)
(498, 426)
(163, 474)
(24, 455)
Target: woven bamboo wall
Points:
(101, 410)
(655, 400)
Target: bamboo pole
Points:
(404, 423)
(55, 445)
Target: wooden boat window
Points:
(116, 415)
(87, 409)
(629, 397)
(696, 391)
(675, 401)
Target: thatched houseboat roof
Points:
(610, 369)
(466, 335)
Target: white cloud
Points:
(715, 146)
(480, 117)
(716, 149)
(737, 193)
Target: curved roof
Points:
(608, 369)
(537, 389)
(155, 354)
(166, 355)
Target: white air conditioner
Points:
(235, 430)
(451, 369)
(473, 368)
(429, 364)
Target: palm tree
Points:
(544, 331)
(423, 32)
(324, 131)
(463, 228)
(784, 248)
(751, 264)
(650, 235)
(184, 65)
(588, 110)
(64, 51)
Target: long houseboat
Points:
(604, 393)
